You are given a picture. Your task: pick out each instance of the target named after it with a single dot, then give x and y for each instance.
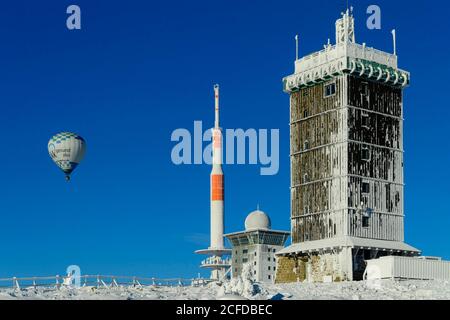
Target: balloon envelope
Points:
(67, 149)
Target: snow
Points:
(364, 290)
(242, 285)
(243, 288)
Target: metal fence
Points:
(98, 281)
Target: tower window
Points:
(305, 113)
(365, 154)
(306, 145)
(365, 120)
(364, 88)
(365, 222)
(268, 268)
(244, 260)
(330, 90)
(365, 187)
(305, 178)
(268, 277)
(244, 251)
(397, 197)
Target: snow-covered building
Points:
(256, 247)
(397, 267)
(346, 138)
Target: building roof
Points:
(351, 242)
(214, 251)
(258, 236)
(346, 57)
(247, 232)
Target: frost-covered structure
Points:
(346, 138)
(253, 250)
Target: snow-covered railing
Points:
(335, 52)
(98, 281)
(216, 261)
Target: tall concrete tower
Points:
(216, 262)
(346, 131)
(217, 181)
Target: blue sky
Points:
(140, 69)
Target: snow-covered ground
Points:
(364, 290)
(385, 289)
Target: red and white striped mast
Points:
(217, 181)
(216, 262)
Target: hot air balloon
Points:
(67, 150)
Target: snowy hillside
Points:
(386, 289)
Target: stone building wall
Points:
(327, 266)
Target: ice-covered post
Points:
(16, 283)
(394, 40)
(138, 283)
(57, 281)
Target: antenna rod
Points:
(296, 47)
(394, 41)
(216, 96)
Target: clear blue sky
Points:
(140, 69)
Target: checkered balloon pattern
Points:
(67, 149)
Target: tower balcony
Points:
(342, 58)
(216, 262)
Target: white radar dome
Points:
(257, 220)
